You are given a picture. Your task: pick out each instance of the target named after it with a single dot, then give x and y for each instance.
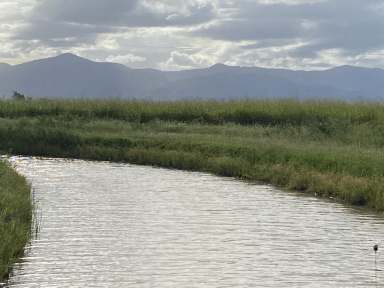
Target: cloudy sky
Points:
(182, 34)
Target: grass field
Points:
(15, 217)
(330, 149)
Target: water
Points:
(116, 225)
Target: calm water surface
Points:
(116, 225)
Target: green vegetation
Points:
(330, 149)
(15, 217)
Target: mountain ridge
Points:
(70, 76)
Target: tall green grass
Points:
(210, 112)
(15, 217)
(330, 149)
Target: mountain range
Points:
(70, 76)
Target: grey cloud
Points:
(122, 13)
(83, 20)
(91, 12)
(354, 28)
(352, 25)
(50, 32)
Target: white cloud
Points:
(181, 61)
(174, 34)
(125, 59)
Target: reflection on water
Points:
(116, 225)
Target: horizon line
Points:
(73, 55)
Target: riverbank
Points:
(329, 149)
(15, 217)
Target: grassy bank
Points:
(330, 149)
(15, 217)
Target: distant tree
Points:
(18, 96)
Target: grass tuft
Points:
(15, 217)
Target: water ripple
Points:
(116, 225)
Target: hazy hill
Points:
(70, 76)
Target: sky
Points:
(177, 35)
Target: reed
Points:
(15, 217)
(329, 149)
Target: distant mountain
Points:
(70, 76)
